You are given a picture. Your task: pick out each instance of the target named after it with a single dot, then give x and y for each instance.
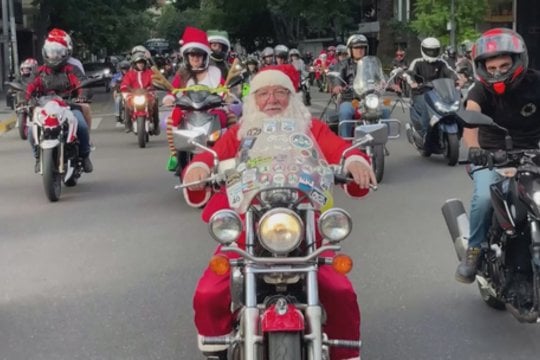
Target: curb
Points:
(7, 124)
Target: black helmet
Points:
(498, 42)
(124, 65)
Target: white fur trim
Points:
(198, 45)
(208, 191)
(219, 39)
(352, 158)
(269, 78)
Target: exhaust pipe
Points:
(457, 222)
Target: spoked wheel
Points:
(52, 179)
(452, 149)
(378, 162)
(284, 346)
(22, 126)
(488, 294)
(142, 136)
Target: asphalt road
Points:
(108, 272)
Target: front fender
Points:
(49, 144)
(288, 319)
(449, 128)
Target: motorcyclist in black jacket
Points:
(423, 70)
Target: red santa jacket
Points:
(58, 81)
(134, 79)
(331, 145)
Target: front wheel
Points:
(378, 162)
(141, 131)
(52, 179)
(22, 126)
(284, 346)
(489, 299)
(452, 149)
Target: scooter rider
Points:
(281, 53)
(357, 45)
(123, 68)
(140, 77)
(422, 70)
(57, 76)
(220, 46)
(267, 57)
(508, 92)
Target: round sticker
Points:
(279, 179)
(301, 141)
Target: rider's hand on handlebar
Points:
(337, 89)
(478, 156)
(196, 174)
(414, 85)
(362, 174)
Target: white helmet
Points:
(430, 49)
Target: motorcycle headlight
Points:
(372, 101)
(455, 107)
(225, 226)
(106, 72)
(335, 225)
(443, 107)
(139, 100)
(280, 230)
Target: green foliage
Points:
(432, 16)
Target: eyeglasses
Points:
(278, 94)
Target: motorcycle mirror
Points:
(235, 80)
(185, 140)
(378, 132)
(15, 85)
(472, 119)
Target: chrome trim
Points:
(282, 261)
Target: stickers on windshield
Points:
(247, 142)
(259, 161)
(287, 125)
(301, 141)
(249, 180)
(265, 179)
(305, 183)
(254, 131)
(279, 179)
(234, 189)
(305, 153)
(318, 197)
(292, 168)
(279, 167)
(292, 179)
(270, 126)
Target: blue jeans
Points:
(481, 211)
(346, 112)
(82, 135)
(419, 114)
(117, 102)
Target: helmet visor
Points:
(54, 52)
(431, 52)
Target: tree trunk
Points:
(387, 47)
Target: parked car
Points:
(103, 70)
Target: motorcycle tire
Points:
(490, 300)
(452, 149)
(22, 126)
(378, 162)
(284, 346)
(52, 180)
(141, 131)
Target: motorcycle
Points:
(304, 88)
(274, 290)
(196, 102)
(23, 110)
(508, 274)
(54, 129)
(443, 100)
(369, 85)
(140, 115)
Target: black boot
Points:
(87, 164)
(37, 165)
(466, 270)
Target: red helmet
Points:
(497, 42)
(28, 67)
(55, 53)
(331, 48)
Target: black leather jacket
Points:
(347, 71)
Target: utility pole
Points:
(14, 47)
(453, 23)
(4, 60)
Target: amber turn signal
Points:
(219, 264)
(342, 263)
(387, 101)
(355, 103)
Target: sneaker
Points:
(37, 166)
(87, 165)
(466, 270)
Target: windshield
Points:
(277, 156)
(369, 75)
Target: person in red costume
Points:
(196, 71)
(140, 77)
(321, 64)
(273, 97)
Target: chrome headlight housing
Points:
(139, 100)
(335, 225)
(372, 101)
(280, 231)
(225, 226)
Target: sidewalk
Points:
(7, 116)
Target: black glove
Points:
(478, 156)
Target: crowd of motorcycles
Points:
(276, 275)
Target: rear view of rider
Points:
(508, 92)
(56, 76)
(357, 45)
(140, 77)
(423, 70)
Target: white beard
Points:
(252, 117)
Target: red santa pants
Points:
(213, 316)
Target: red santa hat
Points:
(194, 38)
(284, 75)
